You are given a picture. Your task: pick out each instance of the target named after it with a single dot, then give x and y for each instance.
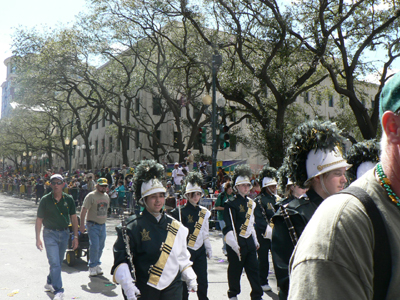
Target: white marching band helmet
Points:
(192, 188)
(153, 186)
(321, 161)
(243, 180)
(267, 181)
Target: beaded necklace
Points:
(386, 184)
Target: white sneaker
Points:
(93, 271)
(48, 288)
(233, 298)
(59, 296)
(99, 270)
(266, 288)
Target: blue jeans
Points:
(97, 238)
(56, 243)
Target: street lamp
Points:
(83, 147)
(91, 147)
(73, 144)
(216, 63)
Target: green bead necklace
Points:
(386, 184)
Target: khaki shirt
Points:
(97, 205)
(334, 256)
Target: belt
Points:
(66, 228)
(94, 222)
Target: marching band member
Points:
(150, 255)
(195, 218)
(263, 213)
(314, 161)
(240, 236)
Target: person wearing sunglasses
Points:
(56, 212)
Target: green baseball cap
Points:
(102, 181)
(390, 96)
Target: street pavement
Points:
(24, 268)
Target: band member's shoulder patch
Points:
(145, 235)
(241, 207)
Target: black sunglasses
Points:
(57, 182)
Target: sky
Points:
(29, 13)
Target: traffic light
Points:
(223, 136)
(202, 136)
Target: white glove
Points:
(268, 233)
(192, 285)
(189, 276)
(207, 244)
(122, 275)
(254, 235)
(231, 241)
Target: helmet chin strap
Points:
(323, 185)
(275, 194)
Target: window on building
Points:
(103, 122)
(248, 120)
(330, 100)
(306, 97)
(118, 145)
(103, 146)
(156, 106)
(319, 101)
(232, 143)
(137, 139)
(196, 111)
(96, 147)
(97, 125)
(128, 143)
(232, 117)
(137, 105)
(110, 144)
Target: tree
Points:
(50, 66)
(354, 31)
(157, 57)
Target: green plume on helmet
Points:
(242, 170)
(361, 152)
(194, 178)
(313, 135)
(146, 170)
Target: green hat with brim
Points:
(390, 96)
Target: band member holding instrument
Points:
(263, 213)
(240, 236)
(157, 244)
(195, 218)
(315, 161)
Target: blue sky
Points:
(29, 13)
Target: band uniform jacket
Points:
(190, 216)
(239, 208)
(300, 212)
(262, 222)
(147, 240)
